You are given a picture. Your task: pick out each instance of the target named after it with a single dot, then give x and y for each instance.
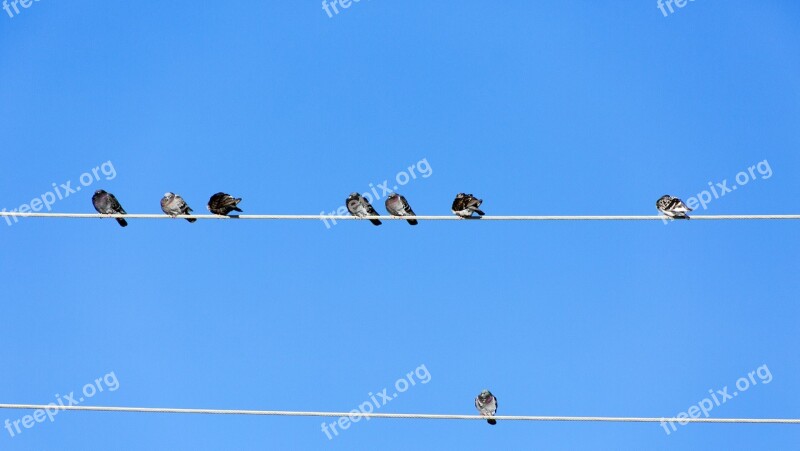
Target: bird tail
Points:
(191, 219)
(479, 211)
(492, 421)
(236, 204)
(122, 222)
(375, 222)
(411, 221)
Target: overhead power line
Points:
(406, 416)
(403, 218)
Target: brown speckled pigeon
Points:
(466, 204)
(222, 204)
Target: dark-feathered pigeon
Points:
(174, 205)
(486, 404)
(672, 207)
(397, 205)
(106, 204)
(466, 204)
(359, 207)
(222, 204)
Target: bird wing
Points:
(678, 205)
(407, 208)
(370, 209)
(114, 203)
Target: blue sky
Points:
(536, 107)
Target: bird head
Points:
(664, 200)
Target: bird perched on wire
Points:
(486, 404)
(672, 207)
(222, 204)
(397, 205)
(174, 205)
(106, 204)
(359, 207)
(466, 204)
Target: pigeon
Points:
(222, 204)
(359, 207)
(465, 204)
(673, 207)
(486, 404)
(174, 205)
(397, 205)
(106, 204)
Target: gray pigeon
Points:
(397, 205)
(486, 404)
(222, 204)
(359, 207)
(672, 207)
(466, 204)
(106, 204)
(174, 205)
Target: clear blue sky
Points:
(537, 107)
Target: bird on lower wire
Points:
(222, 204)
(174, 205)
(486, 404)
(106, 204)
(672, 207)
(359, 207)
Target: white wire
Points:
(399, 218)
(420, 416)
(396, 415)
